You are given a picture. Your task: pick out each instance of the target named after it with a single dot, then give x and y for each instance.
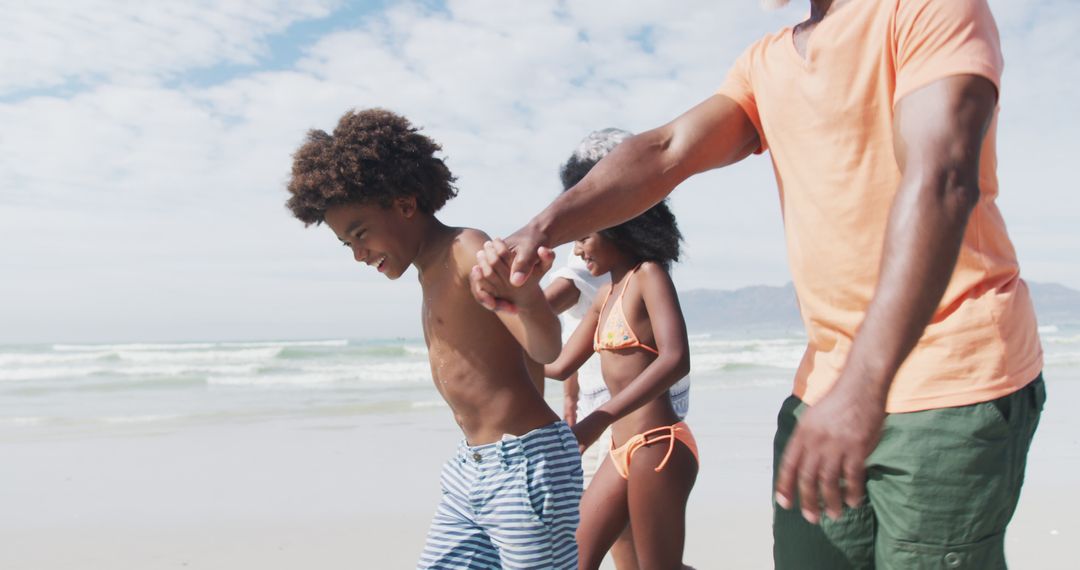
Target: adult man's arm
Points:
(635, 176)
(939, 134)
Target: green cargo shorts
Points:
(941, 488)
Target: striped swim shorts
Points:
(511, 504)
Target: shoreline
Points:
(342, 492)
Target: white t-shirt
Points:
(590, 380)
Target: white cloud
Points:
(135, 209)
(44, 44)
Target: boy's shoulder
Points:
(466, 243)
(470, 239)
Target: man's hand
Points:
(490, 279)
(521, 254)
(525, 245)
(828, 452)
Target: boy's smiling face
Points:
(380, 237)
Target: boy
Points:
(510, 494)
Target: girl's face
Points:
(599, 254)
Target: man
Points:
(920, 389)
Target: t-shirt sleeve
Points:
(935, 39)
(739, 87)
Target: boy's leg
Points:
(944, 483)
(527, 499)
(843, 544)
(455, 541)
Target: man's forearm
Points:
(922, 243)
(938, 142)
(633, 178)
(644, 169)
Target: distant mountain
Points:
(767, 308)
(1055, 304)
(760, 307)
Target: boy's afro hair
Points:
(652, 236)
(373, 156)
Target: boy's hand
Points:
(490, 278)
(487, 286)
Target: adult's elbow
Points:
(951, 190)
(950, 175)
(961, 193)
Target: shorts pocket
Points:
(529, 496)
(990, 420)
(1039, 387)
(985, 554)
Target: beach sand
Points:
(358, 492)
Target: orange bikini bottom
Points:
(622, 455)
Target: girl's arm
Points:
(579, 347)
(673, 363)
(561, 294)
(571, 391)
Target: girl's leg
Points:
(604, 515)
(658, 504)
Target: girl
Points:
(637, 327)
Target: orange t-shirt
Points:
(827, 121)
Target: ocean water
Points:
(87, 389)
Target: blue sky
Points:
(146, 146)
